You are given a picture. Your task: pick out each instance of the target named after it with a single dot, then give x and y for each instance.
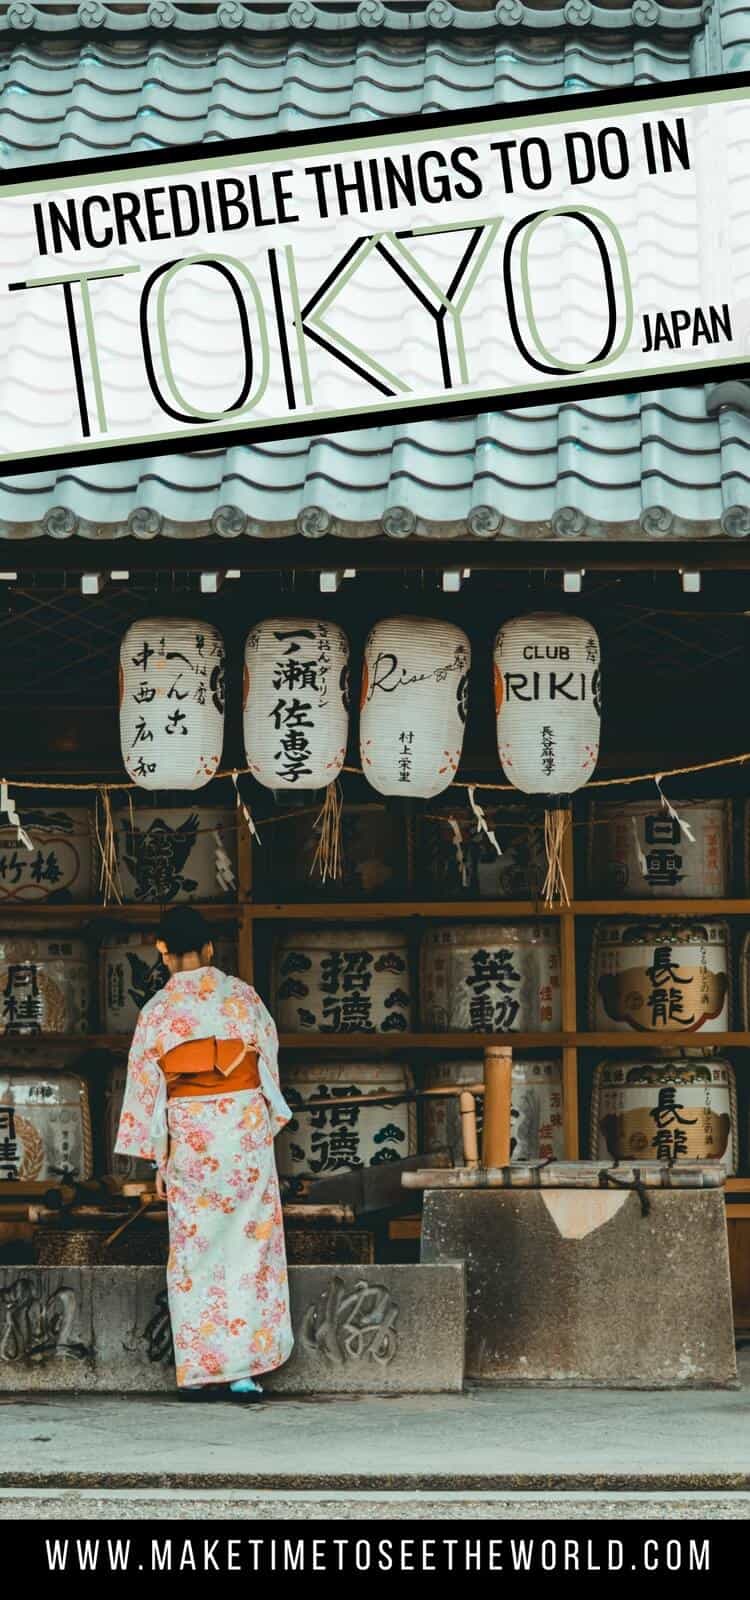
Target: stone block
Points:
(577, 1287)
(358, 1330)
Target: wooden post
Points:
(468, 1107)
(498, 1089)
(245, 924)
(568, 1002)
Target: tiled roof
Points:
(88, 99)
(90, 81)
(625, 467)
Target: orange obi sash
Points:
(210, 1066)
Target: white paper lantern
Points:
(296, 702)
(548, 702)
(171, 702)
(415, 684)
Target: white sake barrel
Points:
(60, 867)
(342, 980)
(637, 849)
(131, 971)
(682, 1109)
(491, 978)
(339, 1135)
(668, 975)
(373, 856)
(45, 1126)
(473, 867)
(128, 1169)
(44, 984)
(177, 853)
(172, 696)
(536, 1109)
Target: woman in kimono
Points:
(203, 1102)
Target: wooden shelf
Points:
(375, 910)
(397, 1043)
(50, 913)
(397, 910)
(385, 1043)
(661, 908)
(482, 910)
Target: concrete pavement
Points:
(486, 1440)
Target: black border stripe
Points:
(356, 134)
(162, 161)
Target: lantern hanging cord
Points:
(458, 783)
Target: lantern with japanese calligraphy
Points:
(681, 1109)
(339, 1134)
(491, 978)
(176, 853)
(171, 702)
(342, 980)
(413, 705)
(548, 707)
(45, 1126)
(131, 971)
(668, 975)
(536, 1129)
(296, 703)
(44, 984)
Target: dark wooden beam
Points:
(74, 556)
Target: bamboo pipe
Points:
(498, 1089)
(468, 1108)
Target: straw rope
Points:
(458, 783)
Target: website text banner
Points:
(244, 291)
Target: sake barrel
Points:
(44, 984)
(128, 1169)
(670, 975)
(536, 1108)
(491, 978)
(373, 856)
(131, 971)
(339, 1135)
(177, 853)
(342, 980)
(681, 1109)
(45, 1126)
(471, 866)
(637, 849)
(61, 865)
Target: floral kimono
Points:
(226, 1275)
